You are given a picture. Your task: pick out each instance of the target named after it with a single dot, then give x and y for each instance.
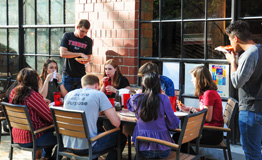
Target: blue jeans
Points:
(47, 139)
(155, 154)
(250, 125)
(103, 144)
(71, 83)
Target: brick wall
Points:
(114, 30)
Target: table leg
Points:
(129, 147)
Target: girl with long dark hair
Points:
(155, 117)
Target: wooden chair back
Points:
(192, 127)
(230, 112)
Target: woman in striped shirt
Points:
(27, 93)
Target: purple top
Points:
(155, 128)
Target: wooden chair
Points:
(73, 123)
(3, 98)
(230, 114)
(17, 116)
(191, 129)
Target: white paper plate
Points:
(179, 114)
(128, 113)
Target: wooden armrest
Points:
(176, 130)
(2, 118)
(159, 141)
(104, 134)
(217, 128)
(43, 129)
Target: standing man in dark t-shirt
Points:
(73, 45)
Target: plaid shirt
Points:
(40, 115)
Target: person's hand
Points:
(182, 107)
(138, 91)
(47, 101)
(231, 57)
(59, 78)
(105, 79)
(110, 88)
(49, 77)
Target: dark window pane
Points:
(30, 61)
(42, 11)
(3, 12)
(13, 41)
(40, 64)
(149, 39)
(171, 9)
(29, 12)
(216, 37)
(149, 10)
(219, 9)
(56, 34)
(70, 11)
(42, 41)
(13, 65)
(194, 9)
(12, 12)
(171, 40)
(3, 66)
(3, 41)
(29, 41)
(59, 62)
(250, 8)
(255, 28)
(57, 12)
(194, 40)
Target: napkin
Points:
(54, 76)
(221, 49)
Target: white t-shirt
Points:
(91, 101)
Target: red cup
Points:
(126, 96)
(173, 102)
(57, 98)
(107, 82)
(112, 101)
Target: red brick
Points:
(118, 42)
(123, 51)
(118, 24)
(103, 33)
(108, 7)
(89, 68)
(129, 6)
(98, 24)
(82, 1)
(132, 79)
(133, 15)
(114, 33)
(79, 8)
(108, 33)
(108, 42)
(125, 33)
(99, 7)
(133, 52)
(124, 70)
(92, 16)
(102, 15)
(89, 1)
(113, 15)
(130, 61)
(130, 42)
(83, 16)
(119, 6)
(129, 24)
(94, 1)
(132, 71)
(119, 33)
(119, 60)
(108, 24)
(98, 60)
(123, 15)
(132, 33)
(148, 33)
(89, 7)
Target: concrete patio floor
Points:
(214, 154)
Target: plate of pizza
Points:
(82, 60)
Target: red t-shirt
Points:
(212, 98)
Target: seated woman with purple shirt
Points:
(155, 117)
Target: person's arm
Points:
(44, 89)
(209, 115)
(112, 116)
(231, 58)
(67, 54)
(61, 85)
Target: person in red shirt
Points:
(206, 90)
(27, 93)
